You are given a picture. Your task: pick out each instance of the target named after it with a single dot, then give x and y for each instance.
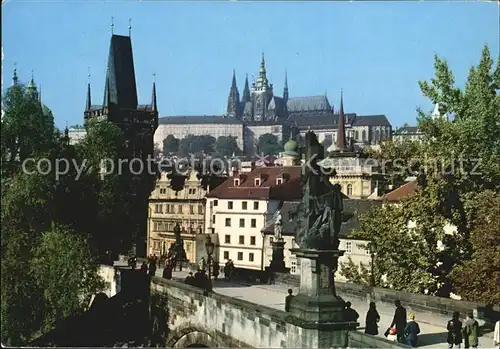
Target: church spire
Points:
(89, 99)
(233, 100)
(262, 82)
(246, 91)
(341, 140)
(285, 89)
(15, 79)
(32, 90)
(154, 103)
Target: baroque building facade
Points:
(168, 207)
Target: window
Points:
(163, 190)
(158, 208)
(179, 209)
(156, 244)
(253, 223)
(229, 205)
(255, 205)
(363, 135)
(348, 247)
(271, 240)
(191, 209)
(242, 240)
(227, 239)
(200, 209)
(226, 254)
(252, 240)
(349, 189)
(279, 181)
(242, 223)
(236, 182)
(167, 209)
(228, 222)
(257, 182)
(250, 257)
(356, 135)
(240, 256)
(293, 267)
(216, 202)
(213, 219)
(244, 205)
(172, 208)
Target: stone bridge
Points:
(183, 316)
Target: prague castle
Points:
(260, 111)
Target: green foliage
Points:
(64, 269)
(269, 144)
(196, 144)
(456, 162)
(226, 146)
(477, 280)
(357, 273)
(170, 144)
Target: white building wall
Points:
(242, 240)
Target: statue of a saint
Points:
(278, 226)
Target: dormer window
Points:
(279, 181)
(257, 182)
(236, 182)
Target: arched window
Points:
(349, 190)
(356, 135)
(363, 135)
(377, 136)
(382, 134)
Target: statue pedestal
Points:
(278, 261)
(316, 306)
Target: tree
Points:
(477, 279)
(226, 146)
(170, 144)
(66, 271)
(449, 185)
(269, 145)
(196, 144)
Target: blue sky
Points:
(375, 51)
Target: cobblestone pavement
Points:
(273, 296)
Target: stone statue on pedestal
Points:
(278, 227)
(319, 218)
(179, 254)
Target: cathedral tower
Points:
(233, 101)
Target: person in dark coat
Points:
(471, 332)
(399, 320)
(199, 279)
(372, 318)
(167, 272)
(454, 328)
(152, 267)
(288, 300)
(412, 331)
(189, 280)
(144, 267)
(216, 267)
(350, 314)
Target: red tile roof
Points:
(402, 192)
(289, 190)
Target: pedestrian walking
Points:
(471, 332)
(152, 267)
(350, 314)
(496, 335)
(399, 321)
(288, 300)
(144, 267)
(372, 319)
(454, 328)
(412, 331)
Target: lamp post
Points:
(209, 246)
